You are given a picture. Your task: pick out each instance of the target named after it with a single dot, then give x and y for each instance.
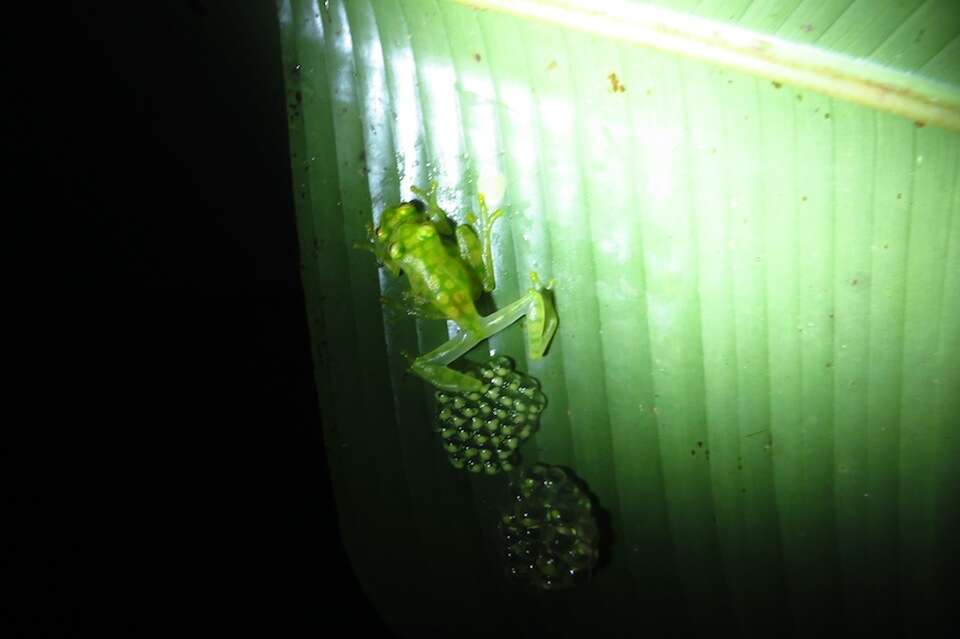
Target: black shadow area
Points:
(173, 473)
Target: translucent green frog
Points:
(448, 268)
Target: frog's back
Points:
(439, 277)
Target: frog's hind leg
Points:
(433, 367)
(541, 326)
(537, 306)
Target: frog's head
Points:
(396, 216)
(383, 242)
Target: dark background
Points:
(173, 476)
(168, 475)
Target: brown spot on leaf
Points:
(476, 56)
(615, 85)
(776, 85)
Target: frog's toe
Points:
(538, 284)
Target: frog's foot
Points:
(541, 318)
(429, 198)
(371, 244)
(438, 217)
(484, 219)
(484, 224)
(416, 307)
(394, 309)
(445, 378)
(541, 324)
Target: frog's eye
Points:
(395, 251)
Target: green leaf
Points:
(752, 213)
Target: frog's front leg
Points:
(541, 326)
(478, 252)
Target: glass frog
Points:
(448, 267)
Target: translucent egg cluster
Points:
(482, 430)
(549, 531)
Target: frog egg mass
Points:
(549, 533)
(481, 431)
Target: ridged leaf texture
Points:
(758, 284)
